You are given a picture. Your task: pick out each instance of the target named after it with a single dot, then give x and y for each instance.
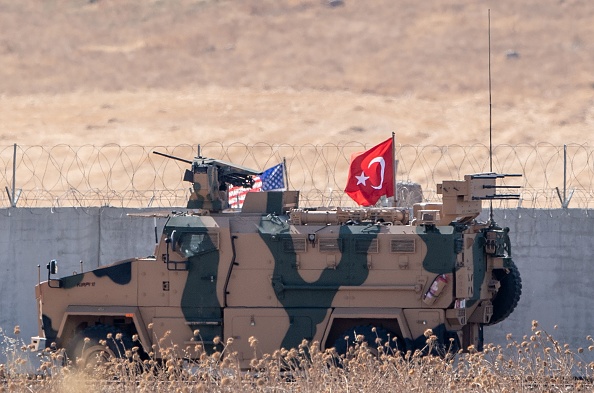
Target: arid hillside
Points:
(295, 71)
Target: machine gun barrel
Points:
(491, 186)
(497, 196)
(492, 175)
(173, 157)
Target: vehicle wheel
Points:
(95, 355)
(92, 353)
(348, 339)
(509, 293)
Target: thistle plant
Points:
(537, 363)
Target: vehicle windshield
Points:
(196, 243)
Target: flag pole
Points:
(286, 174)
(394, 167)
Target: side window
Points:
(192, 244)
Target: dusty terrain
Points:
(295, 71)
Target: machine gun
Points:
(210, 180)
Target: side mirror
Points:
(172, 240)
(52, 267)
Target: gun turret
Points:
(210, 180)
(462, 200)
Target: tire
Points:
(509, 293)
(91, 353)
(348, 339)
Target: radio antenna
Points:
(490, 106)
(490, 120)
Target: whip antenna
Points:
(490, 118)
(490, 110)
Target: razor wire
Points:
(132, 176)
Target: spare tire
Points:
(509, 293)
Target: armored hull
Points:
(283, 274)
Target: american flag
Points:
(272, 179)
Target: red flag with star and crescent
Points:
(371, 174)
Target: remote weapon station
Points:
(282, 274)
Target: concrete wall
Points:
(552, 248)
(554, 252)
(32, 237)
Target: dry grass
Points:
(537, 363)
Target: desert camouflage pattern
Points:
(283, 274)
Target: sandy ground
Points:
(283, 115)
(295, 71)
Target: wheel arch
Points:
(341, 319)
(509, 293)
(77, 317)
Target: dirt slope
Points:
(294, 71)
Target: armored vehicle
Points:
(281, 273)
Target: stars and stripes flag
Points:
(272, 179)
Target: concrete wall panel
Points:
(31, 237)
(554, 252)
(552, 248)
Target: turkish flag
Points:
(371, 174)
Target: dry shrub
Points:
(537, 363)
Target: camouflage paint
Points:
(200, 293)
(441, 251)
(198, 201)
(50, 333)
(286, 279)
(274, 202)
(199, 301)
(306, 296)
(72, 281)
(480, 267)
(120, 273)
